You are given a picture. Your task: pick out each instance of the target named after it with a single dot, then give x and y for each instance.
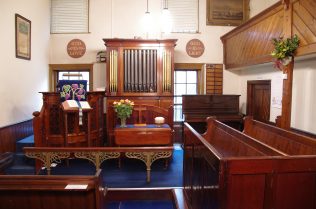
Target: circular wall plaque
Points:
(195, 48)
(76, 48)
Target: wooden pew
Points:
(41, 192)
(227, 169)
(286, 141)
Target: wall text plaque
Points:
(195, 48)
(76, 48)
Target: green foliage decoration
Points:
(284, 47)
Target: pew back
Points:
(43, 192)
(232, 143)
(286, 141)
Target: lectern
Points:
(53, 126)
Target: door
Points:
(258, 99)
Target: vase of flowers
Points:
(123, 109)
(284, 50)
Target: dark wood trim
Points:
(11, 133)
(188, 66)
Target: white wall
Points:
(123, 19)
(304, 95)
(21, 79)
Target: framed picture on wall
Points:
(227, 12)
(22, 37)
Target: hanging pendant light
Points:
(147, 22)
(166, 24)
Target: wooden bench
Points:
(288, 142)
(41, 192)
(227, 169)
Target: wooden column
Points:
(284, 121)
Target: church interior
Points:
(158, 104)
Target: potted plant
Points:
(123, 109)
(284, 50)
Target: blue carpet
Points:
(25, 142)
(149, 204)
(132, 173)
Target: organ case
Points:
(139, 67)
(140, 70)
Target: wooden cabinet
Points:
(149, 135)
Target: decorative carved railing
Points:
(97, 155)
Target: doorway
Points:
(258, 99)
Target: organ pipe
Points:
(166, 71)
(113, 71)
(140, 70)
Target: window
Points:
(74, 75)
(185, 82)
(69, 16)
(184, 15)
(71, 72)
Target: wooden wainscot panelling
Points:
(10, 134)
(250, 43)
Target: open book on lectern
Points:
(75, 105)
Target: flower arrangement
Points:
(74, 91)
(124, 109)
(284, 50)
